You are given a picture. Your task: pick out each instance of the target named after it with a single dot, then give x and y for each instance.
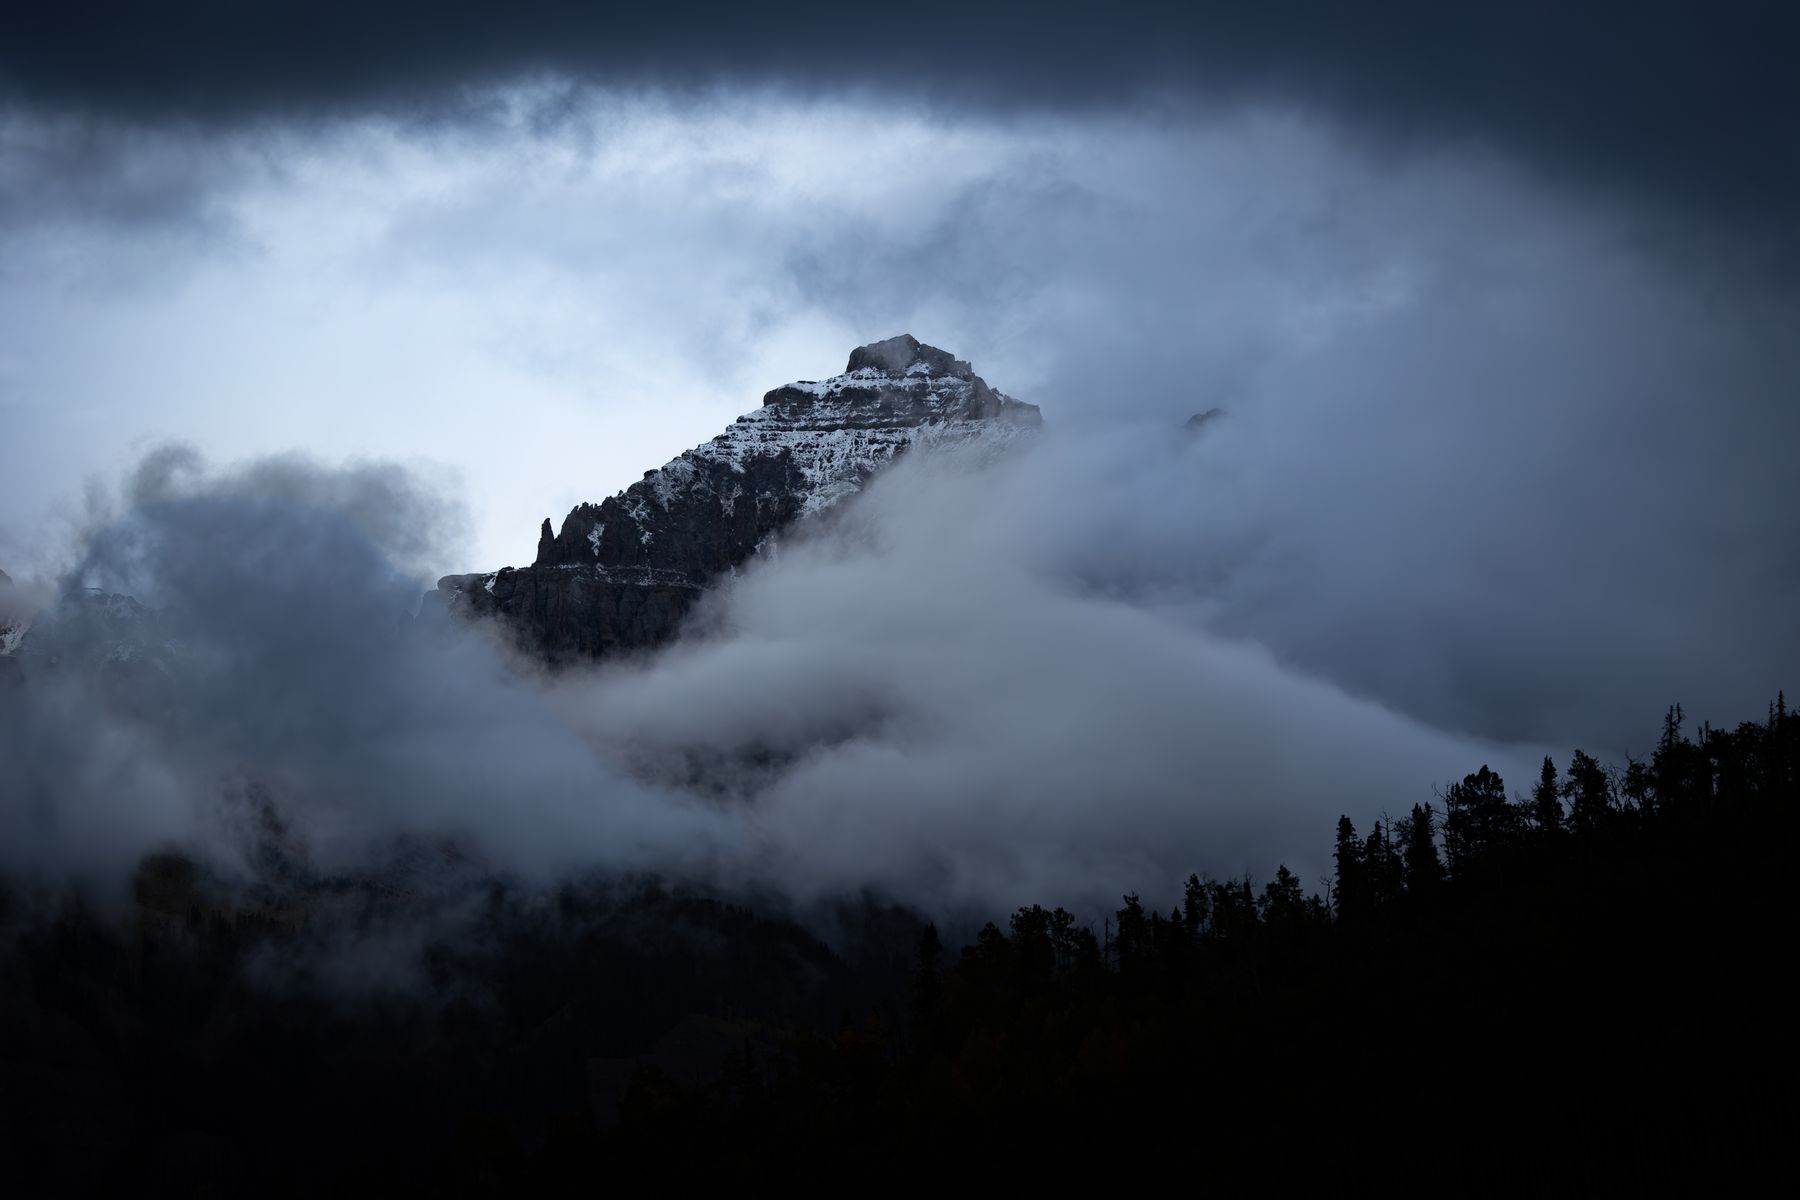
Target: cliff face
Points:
(119, 645)
(11, 623)
(621, 574)
(12, 632)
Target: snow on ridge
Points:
(809, 446)
(840, 431)
(11, 636)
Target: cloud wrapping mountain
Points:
(272, 681)
(897, 702)
(927, 700)
(1495, 301)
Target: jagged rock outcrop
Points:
(621, 574)
(112, 642)
(11, 633)
(1199, 422)
(9, 620)
(93, 629)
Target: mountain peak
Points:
(621, 573)
(898, 355)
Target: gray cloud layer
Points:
(279, 675)
(933, 704)
(919, 700)
(1691, 104)
(1493, 460)
(1127, 654)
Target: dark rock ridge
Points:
(110, 640)
(14, 621)
(93, 628)
(1197, 423)
(621, 574)
(11, 633)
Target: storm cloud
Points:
(1689, 104)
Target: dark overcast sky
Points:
(1693, 104)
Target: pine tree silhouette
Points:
(1546, 800)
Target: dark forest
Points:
(1570, 986)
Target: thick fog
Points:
(930, 697)
(937, 698)
(275, 696)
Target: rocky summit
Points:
(621, 574)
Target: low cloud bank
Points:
(268, 681)
(910, 701)
(930, 699)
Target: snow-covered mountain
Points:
(622, 573)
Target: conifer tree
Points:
(1590, 791)
(1131, 940)
(1380, 866)
(1063, 939)
(1351, 890)
(1637, 787)
(1546, 799)
(1785, 748)
(1478, 820)
(1283, 904)
(1419, 852)
(1668, 766)
(1193, 906)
